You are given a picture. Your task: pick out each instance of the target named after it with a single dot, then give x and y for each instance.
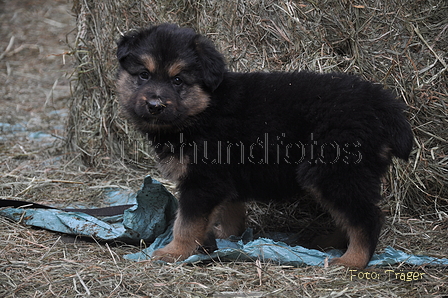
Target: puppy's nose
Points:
(155, 106)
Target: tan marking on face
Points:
(196, 100)
(149, 62)
(188, 235)
(175, 68)
(173, 168)
(228, 219)
(125, 86)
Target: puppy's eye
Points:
(177, 81)
(144, 75)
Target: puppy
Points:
(228, 137)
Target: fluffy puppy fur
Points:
(228, 137)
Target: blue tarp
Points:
(151, 218)
(154, 207)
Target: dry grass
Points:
(37, 263)
(401, 44)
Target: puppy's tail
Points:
(399, 131)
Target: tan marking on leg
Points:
(175, 68)
(338, 217)
(149, 62)
(228, 219)
(188, 235)
(357, 254)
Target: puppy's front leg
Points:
(194, 222)
(189, 233)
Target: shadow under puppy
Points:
(228, 137)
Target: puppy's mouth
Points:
(154, 109)
(150, 123)
(155, 115)
(159, 116)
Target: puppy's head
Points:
(166, 76)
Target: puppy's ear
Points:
(212, 62)
(125, 46)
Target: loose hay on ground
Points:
(38, 263)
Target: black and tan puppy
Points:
(227, 137)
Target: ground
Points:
(35, 77)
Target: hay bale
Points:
(398, 43)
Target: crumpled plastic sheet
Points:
(154, 208)
(282, 254)
(151, 219)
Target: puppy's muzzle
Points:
(155, 106)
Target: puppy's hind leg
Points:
(351, 201)
(363, 237)
(362, 221)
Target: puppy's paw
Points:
(172, 253)
(349, 263)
